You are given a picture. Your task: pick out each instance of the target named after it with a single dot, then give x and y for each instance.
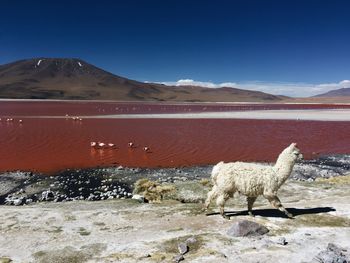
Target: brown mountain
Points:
(343, 92)
(58, 78)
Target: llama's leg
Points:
(210, 197)
(220, 201)
(251, 200)
(275, 202)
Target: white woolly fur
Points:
(252, 179)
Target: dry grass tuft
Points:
(335, 180)
(151, 190)
(205, 182)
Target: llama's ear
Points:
(294, 144)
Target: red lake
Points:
(52, 144)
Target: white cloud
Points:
(277, 88)
(191, 82)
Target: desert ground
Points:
(130, 231)
(121, 229)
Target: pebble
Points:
(19, 201)
(243, 228)
(333, 253)
(282, 241)
(191, 240)
(183, 248)
(179, 258)
(139, 198)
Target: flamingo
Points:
(146, 149)
(93, 144)
(131, 144)
(101, 144)
(111, 144)
(20, 121)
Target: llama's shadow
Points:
(276, 213)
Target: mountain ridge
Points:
(335, 93)
(74, 78)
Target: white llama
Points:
(252, 180)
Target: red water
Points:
(49, 145)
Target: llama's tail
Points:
(215, 172)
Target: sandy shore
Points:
(310, 115)
(128, 231)
(317, 115)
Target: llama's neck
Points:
(283, 168)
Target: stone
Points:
(191, 240)
(139, 198)
(19, 201)
(246, 228)
(333, 254)
(47, 195)
(8, 200)
(183, 248)
(178, 258)
(282, 241)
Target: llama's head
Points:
(290, 155)
(286, 160)
(294, 152)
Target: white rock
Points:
(139, 198)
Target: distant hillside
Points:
(343, 92)
(58, 78)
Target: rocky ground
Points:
(19, 188)
(121, 229)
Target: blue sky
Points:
(294, 47)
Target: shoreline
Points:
(301, 102)
(20, 187)
(302, 115)
(298, 115)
